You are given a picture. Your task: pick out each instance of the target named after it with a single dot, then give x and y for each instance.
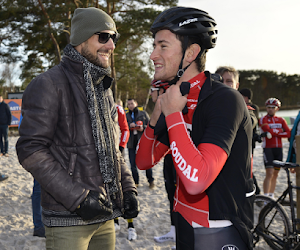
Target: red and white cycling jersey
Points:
(196, 168)
(278, 128)
(123, 126)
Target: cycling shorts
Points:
(224, 238)
(271, 154)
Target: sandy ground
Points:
(16, 227)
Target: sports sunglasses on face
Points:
(153, 89)
(104, 37)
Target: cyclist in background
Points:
(272, 147)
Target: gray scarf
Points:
(101, 118)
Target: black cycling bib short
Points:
(224, 238)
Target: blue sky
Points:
(256, 34)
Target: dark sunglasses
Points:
(104, 37)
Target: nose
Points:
(153, 55)
(110, 44)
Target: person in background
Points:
(230, 77)
(272, 147)
(209, 131)
(248, 95)
(137, 122)
(39, 229)
(69, 140)
(5, 121)
(122, 121)
(157, 89)
(291, 157)
(132, 235)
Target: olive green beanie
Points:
(87, 21)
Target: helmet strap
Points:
(181, 70)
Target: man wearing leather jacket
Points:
(69, 141)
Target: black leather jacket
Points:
(56, 143)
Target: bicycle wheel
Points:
(272, 222)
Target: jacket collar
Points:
(76, 68)
(206, 89)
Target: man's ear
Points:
(192, 52)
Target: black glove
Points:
(264, 134)
(94, 206)
(131, 205)
(121, 149)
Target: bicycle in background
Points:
(271, 220)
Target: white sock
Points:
(173, 231)
(272, 195)
(170, 236)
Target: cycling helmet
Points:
(187, 22)
(273, 102)
(160, 84)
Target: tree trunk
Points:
(113, 75)
(147, 100)
(57, 49)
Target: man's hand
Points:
(172, 100)
(94, 206)
(132, 125)
(131, 205)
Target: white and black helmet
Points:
(188, 22)
(273, 102)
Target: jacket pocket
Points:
(72, 162)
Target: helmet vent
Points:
(206, 24)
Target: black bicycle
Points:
(271, 220)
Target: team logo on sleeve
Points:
(182, 165)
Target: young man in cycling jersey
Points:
(208, 131)
(272, 147)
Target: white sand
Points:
(16, 227)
